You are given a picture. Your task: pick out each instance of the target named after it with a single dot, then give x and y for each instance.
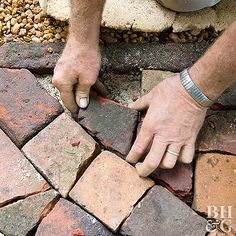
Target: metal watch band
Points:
(193, 90)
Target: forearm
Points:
(85, 21)
(216, 70)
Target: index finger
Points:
(66, 93)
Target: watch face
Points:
(187, 5)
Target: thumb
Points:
(82, 92)
(140, 104)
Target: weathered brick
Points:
(150, 78)
(120, 58)
(21, 217)
(18, 178)
(109, 188)
(61, 152)
(215, 183)
(161, 213)
(36, 57)
(228, 99)
(109, 122)
(67, 218)
(218, 132)
(178, 180)
(25, 107)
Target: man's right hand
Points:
(76, 71)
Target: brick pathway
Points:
(57, 179)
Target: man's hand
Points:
(172, 123)
(79, 65)
(75, 73)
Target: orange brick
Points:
(215, 183)
(109, 188)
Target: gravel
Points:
(24, 20)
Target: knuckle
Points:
(57, 82)
(87, 82)
(168, 164)
(139, 149)
(186, 160)
(151, 165)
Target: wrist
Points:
(193, 90)
(202, 79)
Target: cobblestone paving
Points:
(57, 179)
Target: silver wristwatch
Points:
(193, 90)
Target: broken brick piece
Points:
(18, 178)
(109, 188)
(21, 217)
(112, 124)
(25, 107)
(54, 153)
(161, 213)
(215, 184)
(69, 219)
(178, 180)
(218, 132)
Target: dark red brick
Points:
(177, 180)
(218, 132)
(18, 178)
(120, 58)
(36, 57)
(21, 217)
(109, 122)
(161, 213)
(25, 107)
(68, 219)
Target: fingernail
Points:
(130, 105)
(138, 165)
(83, 102)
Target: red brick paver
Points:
(25, 107)
(178, 180)
(114, 125)
(18, 178)
(109, 188)
(215, 183)
(21, 217)
(67, 219)
(161, 213)
(218, 132)
(61, 152)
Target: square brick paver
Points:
(21, 217)
(218, 132)
(215, 183)
(111, 123)
(18, 178)
(61, 152)
(25, 107)
(161, 213)
(67, 219)
(109, 188)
